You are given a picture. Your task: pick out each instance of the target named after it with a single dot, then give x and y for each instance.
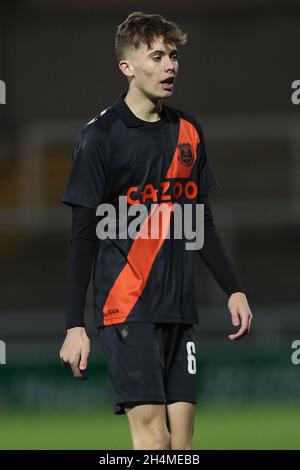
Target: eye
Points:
(175, 56)
(157, 57)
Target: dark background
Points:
(236, 70)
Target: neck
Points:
(142, 106)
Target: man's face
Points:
(151, 66)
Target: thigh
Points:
(148, 426)
(134, 363)
(141, 416)
(180, 421)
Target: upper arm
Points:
(87, 181)
(206, 175)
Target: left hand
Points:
(241, 314)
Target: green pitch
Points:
(247, 427)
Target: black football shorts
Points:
(150, 362)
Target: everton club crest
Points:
(185, 154)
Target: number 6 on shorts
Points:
(191, 350)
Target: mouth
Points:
(167, 83)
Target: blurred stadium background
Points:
(58, 62)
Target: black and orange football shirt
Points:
(154, 164)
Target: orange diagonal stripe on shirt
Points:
(132, 280)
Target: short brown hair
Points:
(144, 28)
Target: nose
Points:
(170, 65)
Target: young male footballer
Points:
(154, 157)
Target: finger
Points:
(242, 331)
(76, 371)
(235, 319)
(249, 323)
(64, 363)
(83, 361)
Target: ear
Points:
(126, 68)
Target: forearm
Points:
(80, 262)
(215, 257)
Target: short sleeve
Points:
(86, 184)
(206, 175)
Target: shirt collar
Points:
(129, 118)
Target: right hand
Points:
(75, 351)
